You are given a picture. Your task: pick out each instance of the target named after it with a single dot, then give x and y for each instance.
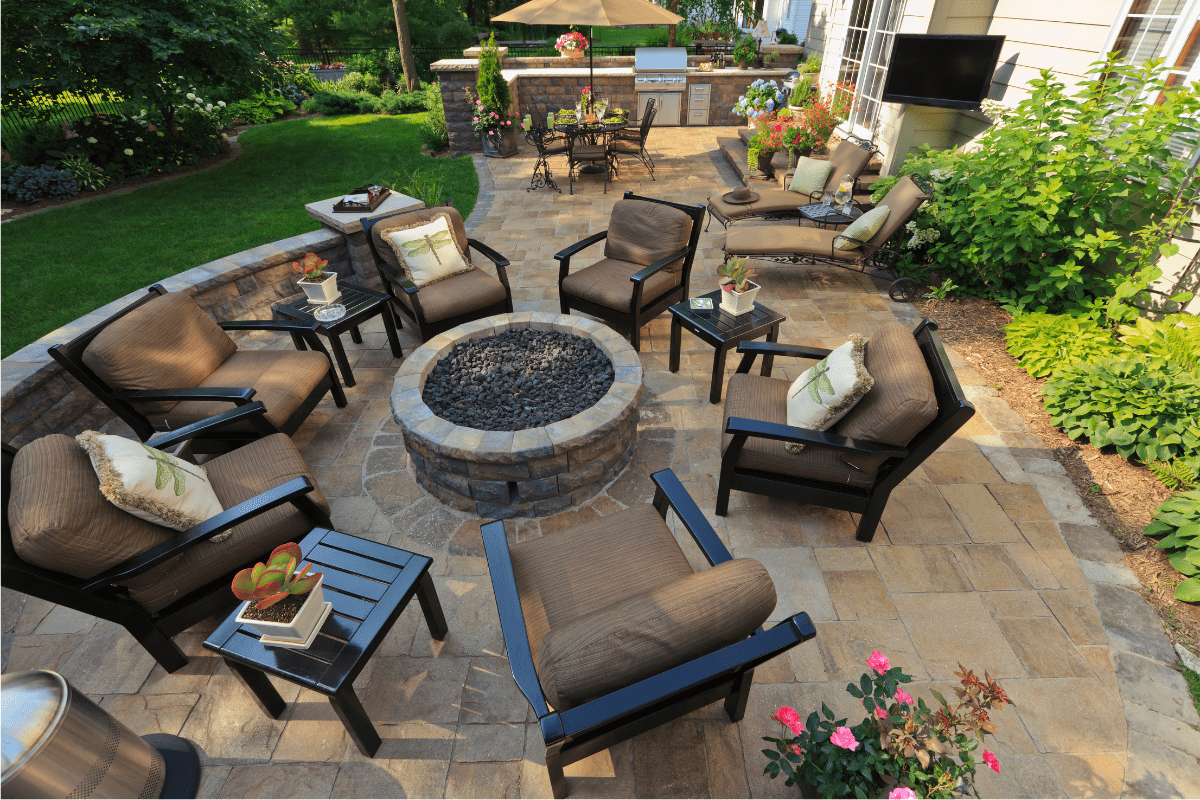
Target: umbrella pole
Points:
(591, 67)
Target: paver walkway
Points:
(985, 557)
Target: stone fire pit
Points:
(524, 473)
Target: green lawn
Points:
(61, 264)
(618, 37)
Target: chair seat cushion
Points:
(572, 573)
(765, 399)
(59, 519)
(236, 477)
(770, 201)
(458, 294)
(607, 283)
(783, 239)
(281, 379)
(630, 146)
(588, 152)
(649, 633)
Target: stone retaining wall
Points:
(40, 398)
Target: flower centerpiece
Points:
(737, 290)
(571, 45)
(761, 97)
(283, 603)
(319, 284)
(902, 748)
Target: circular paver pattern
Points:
(527, 473)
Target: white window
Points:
(866, 51)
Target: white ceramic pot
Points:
(302, 625)
(738, 303)
(323, 292)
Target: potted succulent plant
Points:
(318, 283)
(737, 290)
(284, 605)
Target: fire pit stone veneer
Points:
(525, 473)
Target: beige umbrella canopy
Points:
(590, 12)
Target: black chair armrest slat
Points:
(241, 395)
(788, 433)
(488, 252)
(671, 492)
(254, 413)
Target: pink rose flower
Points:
(902, 793)
(879, 713)
(789, 716)
(903, 697)
(878, 662)
(844, 739)
(477, 119)
(991, 760)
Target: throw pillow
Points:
(151, 484)
(863, 228)
(810, 176)
(427, 251)
(825, 392)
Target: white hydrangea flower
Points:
(128, 152)
(221, 103)
(191, 95)
(92, 140)
(137, 138)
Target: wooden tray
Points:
(340, 208)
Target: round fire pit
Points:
(534, 471)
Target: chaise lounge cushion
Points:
(649, 633)
(607, 283)
(770, 201)
(784, 239)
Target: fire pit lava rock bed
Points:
(519, 415)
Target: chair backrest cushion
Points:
(59, 519)
(900, 405)
(902, 200)
(847, 158)
(642, 232)
(654, 631)
(168, 343)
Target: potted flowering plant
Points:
(812, 126)
(907, 749)
(283, 604)
(745, 52)
(761, 97)
(492, 119)
(319, 284)
(768, 139)
(571, 45)
(493, 127)
(737, 290)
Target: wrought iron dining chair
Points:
(548, 143)
(580, 152)
(636, 148)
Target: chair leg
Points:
(871, 516)
(157, 644)
(735, 702)
(558, 781)
(723, 488)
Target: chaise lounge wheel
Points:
(903, 290)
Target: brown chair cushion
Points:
(651, 632)
(784, 239)
(902, 200)
(168, 343)
(642, 232)
(902, 402)
(607, 283)
(770, 201)
(459, 294)
(575, 572)
(765, 399)
(847, 158)
(236, 477)
(59, 519)
(282, 380)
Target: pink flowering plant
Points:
(901, 749)
(491, 122)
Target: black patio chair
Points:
(548, 143)
(581, 153)
(609, 623)
(625, 146)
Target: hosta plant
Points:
(902, 749)
(1045, 343)
(1175, 338)
(1177, 521)
(311, 267)
(273, 581)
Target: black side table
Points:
(826, 215)
(723, 331)
(361, 304)
(369, 584)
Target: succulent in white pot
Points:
(283, 604)
(318, 283)
(737, 290)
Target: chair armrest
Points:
(564, 256)
(670, 492)
(512, 620)
(267, 325)
(404, 283)
(683, 680)
(788, 433)
(489, 253)
(752, 350)
(233, 394)
(229, 518)
(646, 272)
(254, 413)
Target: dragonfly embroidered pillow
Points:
(427, 251)
(151, 484)
(825, 392)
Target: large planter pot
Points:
(571, 53)
(741, 65)
(302, 630)
(327, 75)
(323, 292)
(738, 303)
(764, 163)
(503, 146)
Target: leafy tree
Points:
(312, 22)
(143, 50)
(406, 50)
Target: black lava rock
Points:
(522, 378)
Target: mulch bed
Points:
(1121, 495)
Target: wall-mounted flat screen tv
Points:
(945, 71)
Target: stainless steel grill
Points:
(660, 69)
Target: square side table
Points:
(723, 331)
(369, 584)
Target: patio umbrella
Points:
(590, 12)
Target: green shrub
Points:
(1045, 343)
(1175, 339)
(786, 38)
(426, 187)
(491, 86)
(395, 65)
(1177, 521)
(392, 102)
(332, 103)
(32, 145)
(136, 146)
(359, 82)
(1144, 407)
(31, 184)
(435, 132)
(89, 177)
(456, 33)
(811, 65)
(258, 109)
(366, 64)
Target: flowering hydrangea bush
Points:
(761, 97)
(571, 41)
(902, 748)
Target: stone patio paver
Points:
(985, 556)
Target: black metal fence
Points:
(20, 120)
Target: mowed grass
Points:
(64, 263)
